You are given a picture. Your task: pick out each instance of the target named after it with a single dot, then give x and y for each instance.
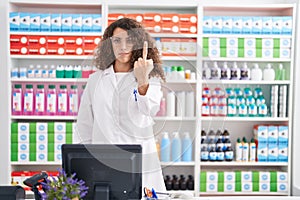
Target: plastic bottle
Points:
(220, 154)
(280, 72)
(219, 135)
(269, 73)
(235, 72)
(229, 154)
(40, 100)
(52, 71)
(204, 154)
(215, 72)
(28, 108)
(187, 147)
(245, 150)
(162, 110)
(239, 150)
(14, 73)
(262, 110)
(176, 147)
(180, 73)
(69, 71)
(174, 73)
(17, 100)
(190, 182)
(225, 72)
(175, 182)
(252, 151)
(51, 103)
(38, 71)
(256, 73)
(22, 72)
(30, 71)
(206, 72)
(165, 147)
(86, 71)
(182, 182)
(62, 100)
(168, 183)
(73, 100)
(80, 95)
(77, 73)
(45, 72)
(171, 104)
(60, 71)
(212, 154)
(245, 72)
(242, 110)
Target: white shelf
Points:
(59, 2)
(250, 164)
(177, 163)
(248, 82)
(179, 58)
(57, 33)
(175, 118)
(36, 163)
(249, 59)
(182, 82)
(62, 57)
(245, 36)
(243, 194)
(43, 117)
(50, 80)
(246, 119)
(174, 35)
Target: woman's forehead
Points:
(119, 32)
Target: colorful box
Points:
(14, 21)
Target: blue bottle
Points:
(187, 147)
(176, 147)
(165, 148)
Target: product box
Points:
(37, 40)
(211, 177)
(136, 16)
(152, 17)
(217, 24)
(246, 25)
(229, 187)
(237, 25)
(169, 27)
(231, 42)
(246, 176)
(281, 187)
(207, 24)
(14, 21)
(57, 157)
(96, 22)
(283, 134)
(214, 52)
(246, 186)
(249, 52)
(54, 50)
(229, 177)
(282, 153)
(42, 127)
(188, 47)
(87, 22)
(264, 187)
(57, 147)
(213, 42)
(59, 127)
(41, 147)
(272, 135)
(272, 152)
(188, 28)
(153, 27)
(56, 22)
(41, 138)
(227, 24)
(249, 42)
(262, 152)
(36, 50)
(287, 25)
(55, 41)
(42, 157)
(267, 25)
(113, 17)
(282, 177)
(23, 128)
(267, 53)
(24, 21)
(23, 147)
(76, 23)
(256, 25)
(17, 40)
(170, 18)
(276, 25)
(285, 53)
(264, 177)
(35, 22)
(66, 22)
(22, 138)
(188, 18)
(59, 138)
(170, 46)
(18, 50)
(23, 157)
(267, 43)
(232, 52)
(45, 21)
(211, 187)
(285, 43)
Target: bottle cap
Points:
(51, 86)
(18, 86)
(29, 86)
(40, 86)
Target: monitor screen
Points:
(110, 171)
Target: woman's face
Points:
(122, 45)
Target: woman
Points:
(121, 98)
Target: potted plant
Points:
(64, 187)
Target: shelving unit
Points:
(195, 63)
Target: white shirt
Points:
(110, 113)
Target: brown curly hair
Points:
(104, 56)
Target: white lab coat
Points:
(110, 113)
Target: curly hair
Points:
(104, 56)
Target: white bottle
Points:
(256, 73)
(238, 150)
(235, 72)
(245, 150)
(45, 72)
(176, 147)
(225, 72)
(52, 72)
(215, 72)
(171, 104)
(269, 73)
(245, 72)
(252, 151)
(30, 71)
(158, 45)
(205, 72)
(38, 71)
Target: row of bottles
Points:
(175, 148)
(179, 183)
(53, 71)
(244, 73)
(38, 101)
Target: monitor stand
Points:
(101, 191)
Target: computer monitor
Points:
(12, 192)
(110, 171)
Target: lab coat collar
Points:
(110, 71)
